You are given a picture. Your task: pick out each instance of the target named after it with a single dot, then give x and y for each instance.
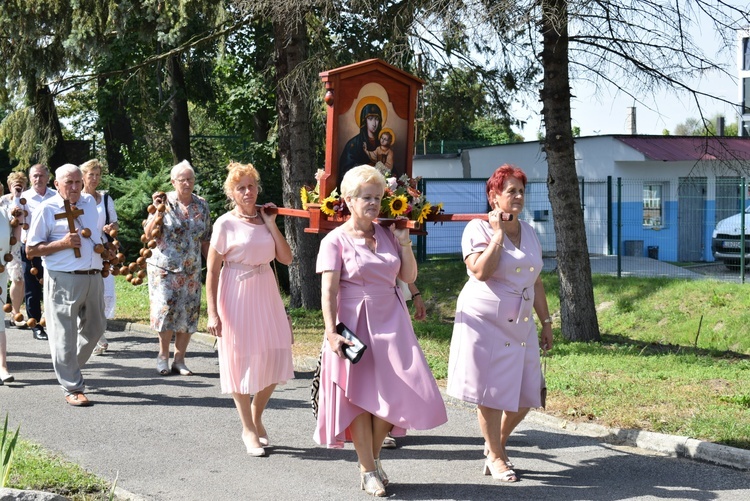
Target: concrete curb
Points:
(120, 326)
(670, 445)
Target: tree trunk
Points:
(297, 155)
(263, 40)
(179, 123)
(116, 125)
(50, 132)
(578, 311)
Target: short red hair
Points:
(501, 175)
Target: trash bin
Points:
(653, 251)
(634, 248)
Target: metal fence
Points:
(642, 227)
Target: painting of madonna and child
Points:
(370, 131)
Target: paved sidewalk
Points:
(178, 438)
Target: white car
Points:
(727, 240)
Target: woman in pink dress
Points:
(494, 356)
(391, 388)
(245, 310)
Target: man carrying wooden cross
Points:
(73, 287)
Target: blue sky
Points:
(601, 111)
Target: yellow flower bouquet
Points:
(401, 198)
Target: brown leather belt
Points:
(85, 272)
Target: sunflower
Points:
(304, 197)
(398, 205)
(328, 206)
(424, 212)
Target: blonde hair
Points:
(17, 177)
(235, 172)
(358, 176)
(90, 165)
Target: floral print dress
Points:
(174, 268)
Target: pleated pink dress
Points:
(392, 379)
(494, 355)
(255, 347)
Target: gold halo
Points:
(389, 131)
(371, 100)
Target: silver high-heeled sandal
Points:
(371, 484)
(381, 472)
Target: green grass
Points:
(674, 358)
(37, 469)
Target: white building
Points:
(664, 193)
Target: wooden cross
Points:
(71, 213)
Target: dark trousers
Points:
(33, 289)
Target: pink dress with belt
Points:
(255, 347)
(494, 355)
(392, 380)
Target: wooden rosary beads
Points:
(18, 218)
(136, 271)
(111, 255)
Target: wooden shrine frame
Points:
(354, 93)
(355, 90)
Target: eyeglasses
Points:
(183, 180)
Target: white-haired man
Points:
(73, 287)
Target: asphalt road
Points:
(178, 438)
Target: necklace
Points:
(245, 216)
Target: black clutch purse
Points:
(354, 352)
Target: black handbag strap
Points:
(106, 208)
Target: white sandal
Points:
(100, 348)
(162, 366)
(181, 369)
(507, 475)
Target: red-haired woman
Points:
(494, 358)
